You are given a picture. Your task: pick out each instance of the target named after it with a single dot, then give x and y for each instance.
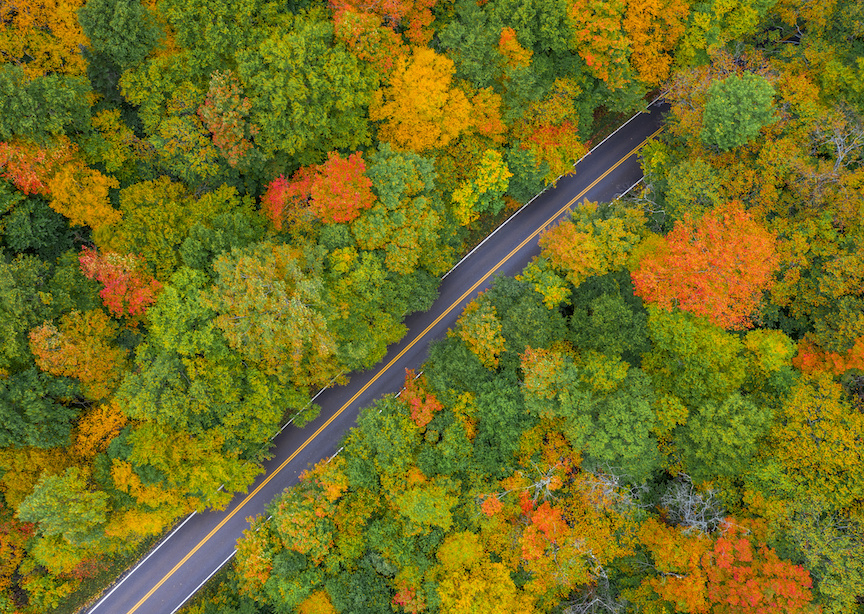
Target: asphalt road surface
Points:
(182, 562)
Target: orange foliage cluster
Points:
(654, 28)
(550, 130)
(31, 167)
(732, 574)
(76, 190)
(810, 358)
(43, 36)
(335, 191)
(97, 428)
(416, 396)
(412, 17)
(517, 56)
(420, 109)
(369, 40)
(82, 347)
(716, 267)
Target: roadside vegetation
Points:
(209, 209)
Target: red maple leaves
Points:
(416, 396)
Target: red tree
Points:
(717, 267)
(335, 191)
(128, 289)
(743, 579)
(30, 167)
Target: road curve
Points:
(171, 573)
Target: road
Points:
(171, 573)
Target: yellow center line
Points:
(384, 369)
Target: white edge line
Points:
(144, 560)
(518, 211)
(197, 588)
(625, 192)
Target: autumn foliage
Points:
(43, 37)
(810, 358)
(420, 108)
(81, 347)
(30, 167)
(225, 114)
(417, 396)
(412, 17)
(717, 267)
(128, 290)
(730, 573)
(335, 191)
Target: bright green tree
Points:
(736, 110)
(66, 505)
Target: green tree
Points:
(35, 409)
(736, 110)
(41, 107)
(622, 439)
(25, 302)
(270, 309)
(693, 359)
(122, 30)
(31, 226)
(66, 505)
(721, 438)
(607, 317)
(309, 95)
(404, 224)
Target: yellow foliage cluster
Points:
(480, 329)
(419, 109)
(43, 36)
(22, 467)
(81, 194)
(97, 428)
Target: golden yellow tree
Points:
(43, 37)
(420, 109)
(654, 28)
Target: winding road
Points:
(183, 561)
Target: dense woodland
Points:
(209, 209)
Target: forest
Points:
(210, 209)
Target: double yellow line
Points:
(384, 369)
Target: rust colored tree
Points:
(81, 347)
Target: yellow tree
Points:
(82, 347)
(81, 194)
(817, 442)
(419, 108)
(469, 581)
(43, 37)
(654, 28)
(479, 327)
(598, 37)
(484, 190)
(596, 240)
